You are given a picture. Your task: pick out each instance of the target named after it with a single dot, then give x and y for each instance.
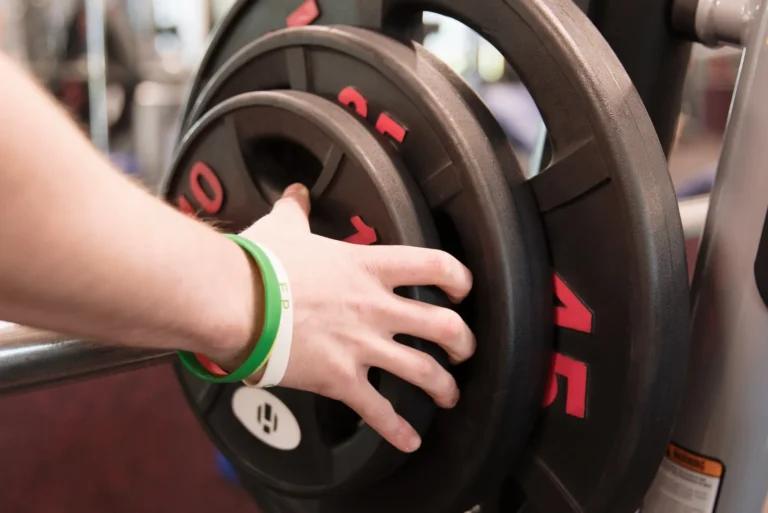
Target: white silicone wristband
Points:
(277, 364)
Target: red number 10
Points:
(212, 203)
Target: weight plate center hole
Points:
(274, 163)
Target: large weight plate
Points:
(409, 97)
(616, 244)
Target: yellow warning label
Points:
(694, 462)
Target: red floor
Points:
(122, 444)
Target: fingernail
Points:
(297, 188)
(413, 444)
(456, 398)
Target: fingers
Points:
(416, 367)
(294, 206)
(378, 413)
(436, 324)
(399, 266)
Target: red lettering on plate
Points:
(387, 125)
(351, 96)
(364, 236)
(575, 374)
(200, 171)
(304, 14)
(574, 314)
(184, 206)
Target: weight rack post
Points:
(715, 22)
(96, 54)
(655, 57)
(724, 413)
(31, 359)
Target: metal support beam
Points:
(715, 22)
(723, 414)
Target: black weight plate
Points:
(232, 166)
(616, 243)
(408, 95)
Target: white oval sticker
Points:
(267, 418)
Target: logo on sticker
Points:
(267, 418)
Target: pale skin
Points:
(88, 252)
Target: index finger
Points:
(404, 266)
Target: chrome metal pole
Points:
(31, 359)
(95, 22)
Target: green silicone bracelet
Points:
(272, 315)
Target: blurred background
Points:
(128, 443)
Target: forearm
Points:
(89, 253)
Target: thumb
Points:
(294, 206)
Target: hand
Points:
(346, 315)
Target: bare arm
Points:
(87, 252)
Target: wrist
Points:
(241, 312)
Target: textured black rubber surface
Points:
(232, 166)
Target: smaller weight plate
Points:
(232, 166)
